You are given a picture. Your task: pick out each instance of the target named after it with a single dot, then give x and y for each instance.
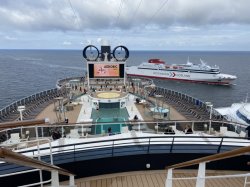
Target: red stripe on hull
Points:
(182, 80)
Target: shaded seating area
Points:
(159, 113)
(184, 105)
(34, 104)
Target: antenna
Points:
(156, 12)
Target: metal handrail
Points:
(213, 177)
(19, 172)
(200, 179)
(113, 146)
(11, 124)
(20, 159)
(36, 184)
(136, 123)
(30, 96)
(17, 158)
(148, 141)
(215, 157)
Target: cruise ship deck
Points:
(106, 124)
(157, 179)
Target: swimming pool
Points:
(103, 128)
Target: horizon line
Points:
(220, 50)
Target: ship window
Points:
(244, 118)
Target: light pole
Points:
(209, 104)
(157, 100)
(137, 84)
(152, 86)
(138, 88)
(21, 109)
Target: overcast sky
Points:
(138, 24)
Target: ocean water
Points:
(25, 72)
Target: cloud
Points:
(57, 15)
(183, 28)
(67, 43)
(180, 24)
(10, 38)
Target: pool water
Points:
(113, 113)
(103, 128)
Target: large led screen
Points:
(106, 70)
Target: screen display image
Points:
(106, 70)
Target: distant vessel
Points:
(237, 112)
(199, 73)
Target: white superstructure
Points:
(201, 73)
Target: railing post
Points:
(51, 155)
(113, 148)
(74, 152)
(21, 132)
(200, 182)
(218, 150)
(172, 145)
(36, 132)
(41, 177)
(62, 130)
(157, 127)
(39, 156)
(71, 181)
(82, 130)
(210, 125)
(149, 140)
(42, 132)
(169, 181)
(245, 181)
(54, 179)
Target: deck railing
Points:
(229, 128)
(29, 161)
(36, 98)
(30, 102)
(62, 82)
(140, 145)
(63, 153)
(200, 179)
(47, 95)
(192, 143)
(144, 145)
(166, 143)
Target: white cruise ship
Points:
(190, 72)
(238, 112)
